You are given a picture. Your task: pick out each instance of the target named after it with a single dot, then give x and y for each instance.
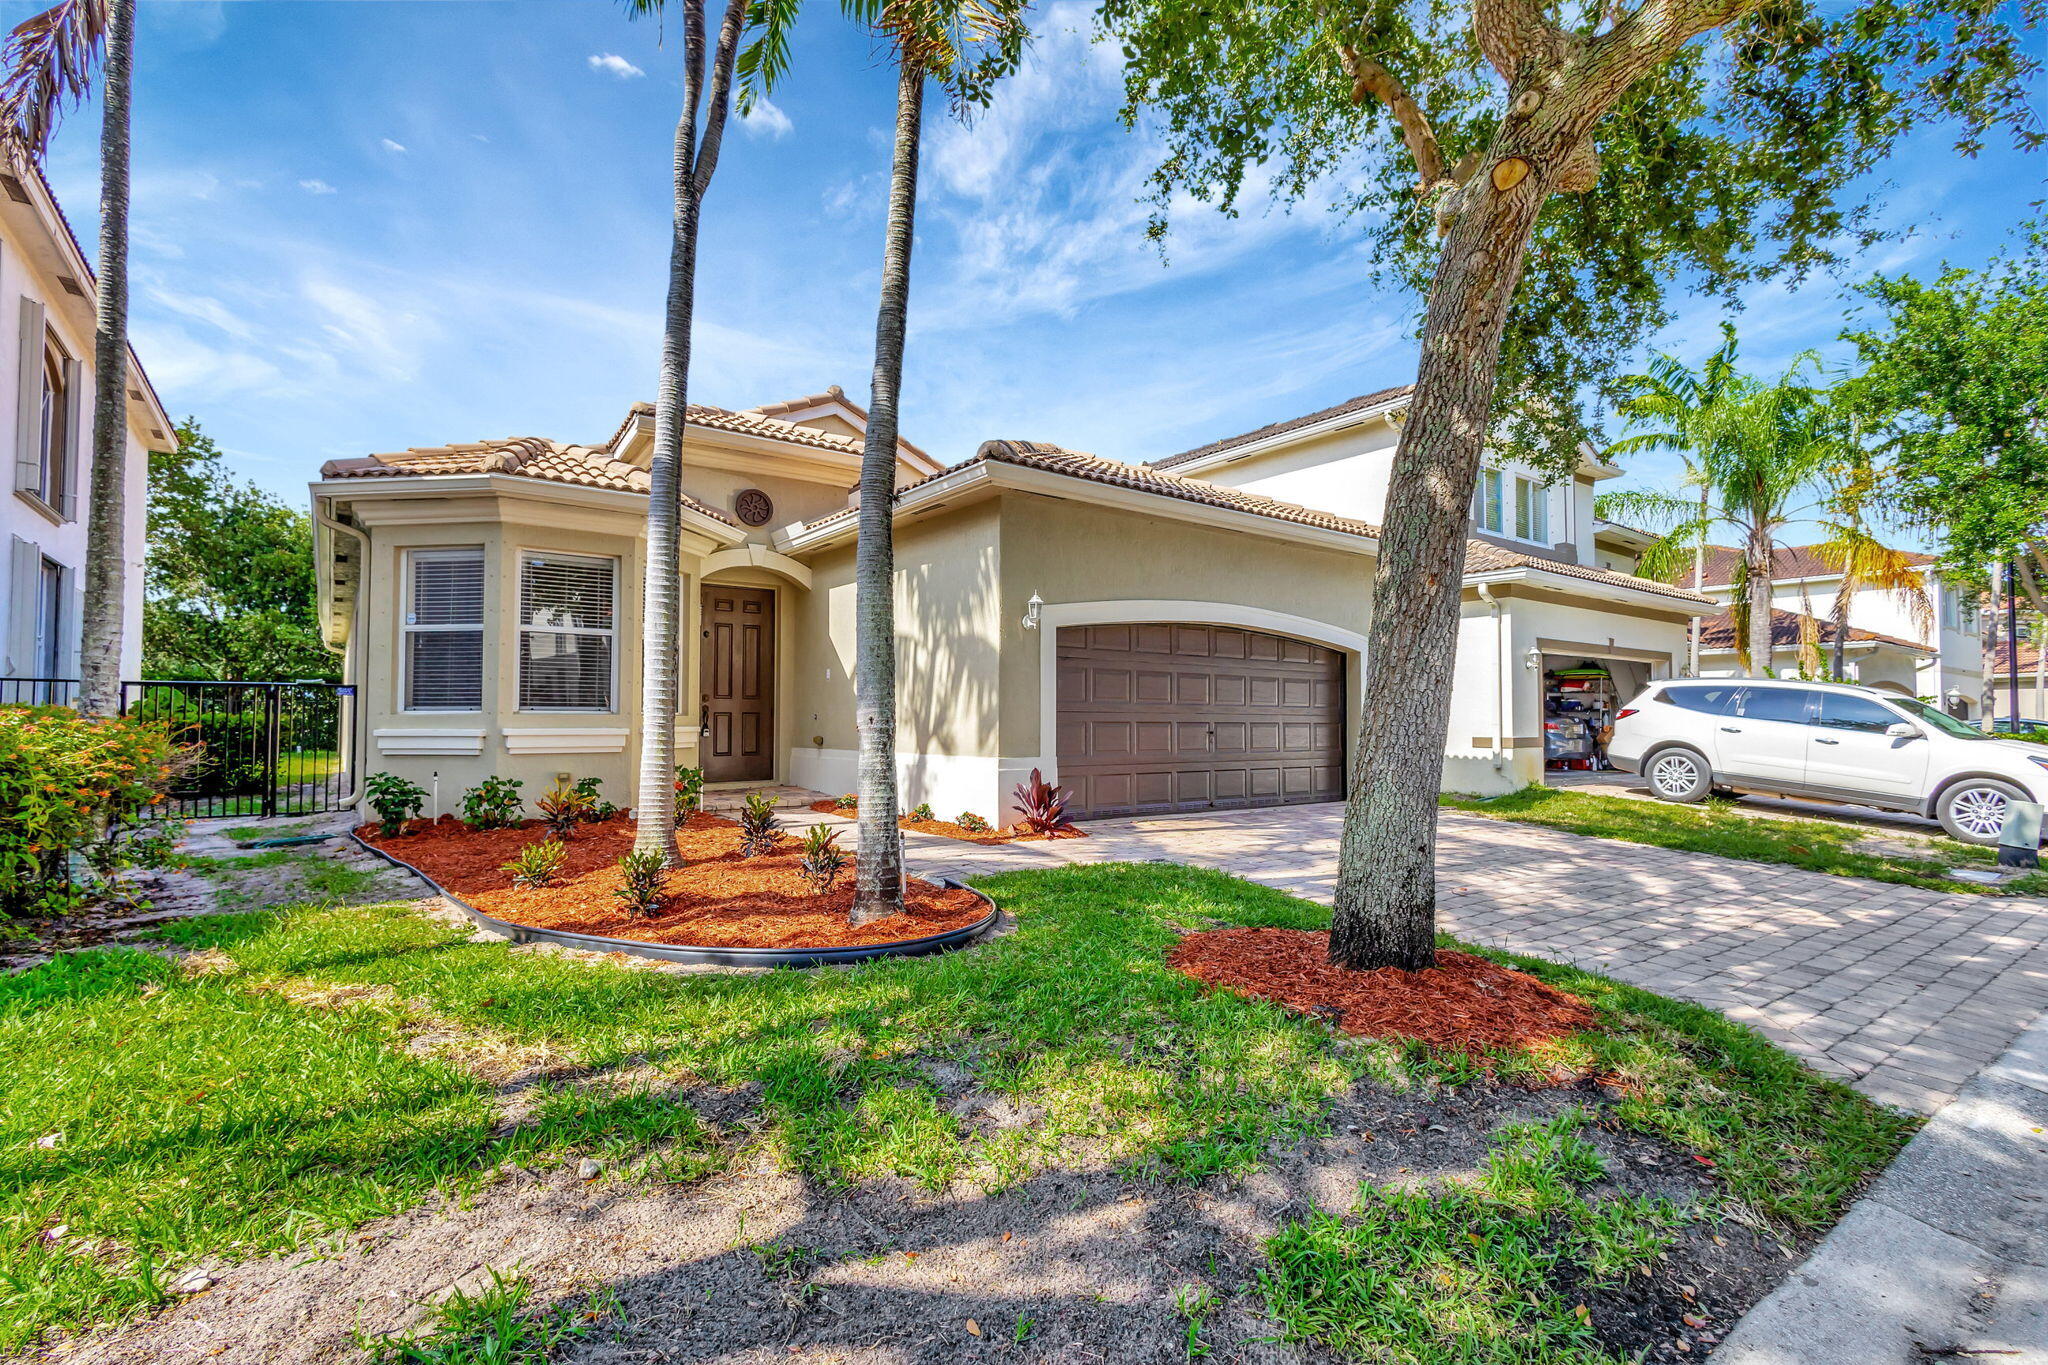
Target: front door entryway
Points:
(737, 696)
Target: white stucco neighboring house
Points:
(46, 398)
(1938, 656)
(1177, 636)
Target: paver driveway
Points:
(1905, 993)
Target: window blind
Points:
(444, 631)
(567, 629)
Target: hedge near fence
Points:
(66, 781)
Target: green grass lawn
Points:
(161, 1114)
(1718, 826)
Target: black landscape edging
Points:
(724, 957)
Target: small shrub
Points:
(600, 809)
(689, 789)
(921, 811)
(641, 893)
(1043, 806)
(823, 859)
(395, 800)
(493, 803)
(64, 779)
(973, 823)
(760, 826)
(536, 865)
(848, 802)
(562, 809)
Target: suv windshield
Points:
(1938, 718)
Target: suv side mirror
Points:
(1902, 729)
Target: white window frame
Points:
(611, 706)
(1487, 499)
(1534, 495)
(407, 629)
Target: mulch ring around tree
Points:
(718, 899)
(1009, 834)
(1464, 1003)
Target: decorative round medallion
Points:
(753, 507)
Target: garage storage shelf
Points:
(1577, 704)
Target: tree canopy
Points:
(229, 589)
(1734, 162)
(1953, 392)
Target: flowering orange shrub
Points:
(62, 776)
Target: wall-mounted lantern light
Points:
(1534, 658)
(1031, 610)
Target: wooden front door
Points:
(737, 697)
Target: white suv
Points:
(1825, 742)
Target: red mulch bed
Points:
(1464, 1003)
(1013, 834)
(717, 900)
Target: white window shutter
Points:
(28, 399)
(77, 437)
(24, 567)
(71, 625)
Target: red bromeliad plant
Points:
(1044, 807)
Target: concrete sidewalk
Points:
(1946, 1257)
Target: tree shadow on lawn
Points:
(884, 1091)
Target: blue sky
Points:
(363, 225)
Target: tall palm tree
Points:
(1864, 561)
(1663, 406)
(932, 40)
(696, 157)
(47, 63)
(1758, 450)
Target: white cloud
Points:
(391, 146)
(612, 64)
(766, 120)
(316, 186)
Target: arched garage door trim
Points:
(1054, 615)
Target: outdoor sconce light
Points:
(1031, 610)
(1534, 658)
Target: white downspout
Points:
(1500, 678)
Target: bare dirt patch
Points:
(719, 898)
(759, 1265)
(1464, 1002)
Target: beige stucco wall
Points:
(947, 571)
(505, 527)
(1072, 553)
(794, 499)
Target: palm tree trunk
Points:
(1385, 913)
(1699, 580)
(106, 565)
(1841, 621)
(662, 593)
(1987, 628)
(878, 863)
(1758, 552)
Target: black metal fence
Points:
(265, 748)
(38, 691)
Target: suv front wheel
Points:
(1974, 809)
(1678, 774)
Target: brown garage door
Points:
(1163, 717)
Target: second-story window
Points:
(1486, 502)
(1532, 510)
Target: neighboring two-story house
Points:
(46, 399)
(1185, 635)
(1892, 643)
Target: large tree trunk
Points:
(1385, 912)
(878, 862)
(106, 550)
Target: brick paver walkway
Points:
(1904, 993)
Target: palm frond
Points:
(46, 65)
(764, 61)
(1650, 508)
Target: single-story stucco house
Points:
(1180, 635)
